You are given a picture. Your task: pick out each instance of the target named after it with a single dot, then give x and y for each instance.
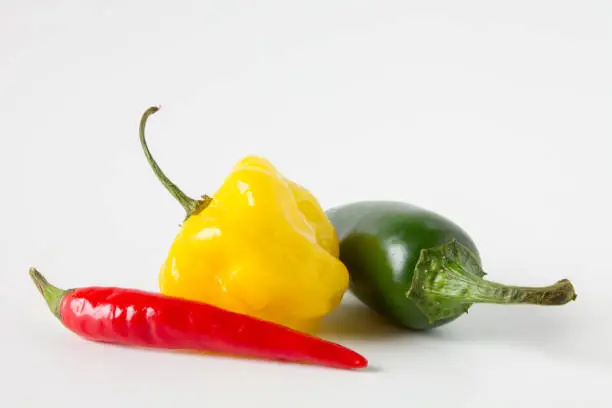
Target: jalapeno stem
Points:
(189, 204)
(448, 279)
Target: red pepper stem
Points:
(52, 294)
(189, 204)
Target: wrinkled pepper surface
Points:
(261, 245)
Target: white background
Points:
(495, 114)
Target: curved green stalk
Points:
(189, 204)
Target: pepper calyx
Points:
(53, 295)
(432, 285)
(448, 279)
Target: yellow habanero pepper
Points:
(261, 246)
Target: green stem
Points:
(189, 204)
(52, 294)
(448, 279)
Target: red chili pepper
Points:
(137, 318)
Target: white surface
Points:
(495, 114)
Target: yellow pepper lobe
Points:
(263, 246)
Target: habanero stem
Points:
(190, 205)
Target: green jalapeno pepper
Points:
(420, 270)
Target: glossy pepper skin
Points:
(261, 245)
(418, 269)
(138, 318)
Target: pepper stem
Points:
(189, 204)
(448, 279)
(52, 294)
